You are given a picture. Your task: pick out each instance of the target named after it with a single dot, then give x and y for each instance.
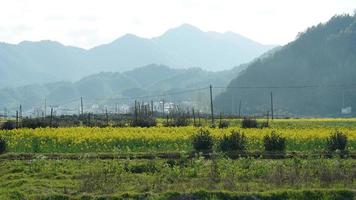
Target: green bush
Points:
(2, 145)
(274, 143)
(203, 141)
(177, 121)
(143, 122)
(233, 142)
(223, 124)
(249, 123)
(336, 141)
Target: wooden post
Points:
(89, 122)
(193, 112)
(51, 119)
(232, 105)
(136, 111)
(45, 108)
(211, 105)
(240, 109)
(81, 106)
(220, 118)
(162, 107)
(272, 106)
(17, 119)
(20, 114)
(267, 117)
(107, 116)
(199, 121)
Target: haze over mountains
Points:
(323, 56)
(182, 47)
(109, 87)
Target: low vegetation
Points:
(312, 179)
(249, 123)
(2, 145)
(203, 141)
(337, 141)
(274, 143)
(233, 142)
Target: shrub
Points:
(143, 122)
(8, 125)
(34, 123)
(249, 123)
(264, 125)
(2, 145)
(274, 143)
(178, 121)
(203, 141)
(336, 141)
(141, 168)
(223, 124)
(233, 142)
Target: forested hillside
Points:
(313, 75)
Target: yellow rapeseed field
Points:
(85, 139)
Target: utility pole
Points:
(51, 119)
(272, 106)
(211, 105)
(45, 108)
(20, 114)
(89, 122)
(81, 106)
(193, 112)
(107, 116)
(232, 104)
(136, 112)
(17, 119)
(240, 109)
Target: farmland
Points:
(161, 163)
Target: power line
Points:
(286, 87)
(152, 96)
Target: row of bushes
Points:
(204, 141)
(100, 121)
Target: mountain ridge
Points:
(181, 47)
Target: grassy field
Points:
(107, 163)
(42, 178)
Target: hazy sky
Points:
(86, 23)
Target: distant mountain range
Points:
(182, 47)
(118, 88)
(317, 71)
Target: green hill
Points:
(324, 56)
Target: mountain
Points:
(35, 62)
(107, 88)
(182, 47)
(315, 75)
